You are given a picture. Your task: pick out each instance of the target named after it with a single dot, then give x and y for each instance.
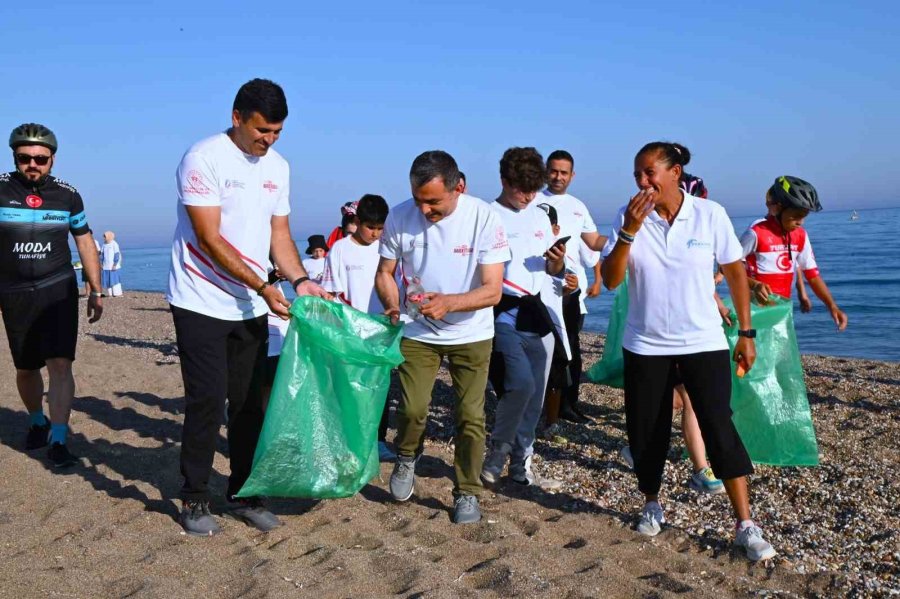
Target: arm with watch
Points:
(284, 253)
(745, 348)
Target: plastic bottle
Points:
(415, 297)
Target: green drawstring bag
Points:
(610, 369)
(319, 438)
(771, 410)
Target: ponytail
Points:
(670, 153)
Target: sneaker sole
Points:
(649, 533)
(763, 556)
(200, 534)
(412, 489)
(249, 522)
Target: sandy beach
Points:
(107, 528)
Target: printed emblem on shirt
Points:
(234, 184)
(34, 201)
(463, 250)
(783, 262)
(539, 234)
(195, 184)
(500, 240)
(270, 187)
(696, 244)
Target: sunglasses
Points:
(25, 159)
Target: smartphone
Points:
(562, 241)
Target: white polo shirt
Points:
(446, 256)
(573, 219)
(249, 190)
(671, 309)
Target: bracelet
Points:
(262, 288)
(626, 236)
(96, 294)
(299, 281)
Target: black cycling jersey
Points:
(35, 221)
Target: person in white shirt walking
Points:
(574, 220)
(451, 248)
(524, 328)
(668, 241)
(233, 206)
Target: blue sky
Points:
(755, 91)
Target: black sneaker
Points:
(38, 436)
(196, 519)
(252, 511)
(59, 456)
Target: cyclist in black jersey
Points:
(38, 289)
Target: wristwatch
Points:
(748, 333)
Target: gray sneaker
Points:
(403, 478)
(524, 474)
(196, 519)
(751, 539)
(652, 519)
(252, 511)
(466, 510)
(494, 462)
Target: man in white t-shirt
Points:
(575, 221)
(315, 264)
(350, 276)
(232, 215)
(524, 329)
(451, 248)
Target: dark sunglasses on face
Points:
(25, 159)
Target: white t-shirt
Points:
(446, 255)
(529, 235)
(350, 274)
(315, 268)
(249, 190)
(277, 330)
(573, 219)
(671, 309)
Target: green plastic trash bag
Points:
(771, 410)
(319, 438)
(610, 369)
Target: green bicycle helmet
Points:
(32, 134)
(793, 192)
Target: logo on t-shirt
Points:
(270, 187)
(696, 244)
(234, 184)
(783, 262)
(500, 240)
(463, 250)
(539, 234)
(34, 201)
(195, 184)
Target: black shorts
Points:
(271, 368)
(41, 323)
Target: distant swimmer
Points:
(38, 288)
(775, 246)
(233, 206)
(669, 241)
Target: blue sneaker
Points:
(706, 482)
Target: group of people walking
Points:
(467, 278)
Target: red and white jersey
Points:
(772, 255)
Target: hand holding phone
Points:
(562, 241)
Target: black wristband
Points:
(299, 281)
(748, 333)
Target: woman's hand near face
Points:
(638, 208)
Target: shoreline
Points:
(107, 528)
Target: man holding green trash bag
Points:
(232, 214)
(451, 248)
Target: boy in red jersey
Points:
(775, 246)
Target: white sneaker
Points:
(751, 539)
(625, 452)
(652, 519)
(524, 474)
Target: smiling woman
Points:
(669, 240)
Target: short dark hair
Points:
(670, 153)
(263, 96)
(523, 168)
(372, 209)
(432, 164)
(561, 155)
